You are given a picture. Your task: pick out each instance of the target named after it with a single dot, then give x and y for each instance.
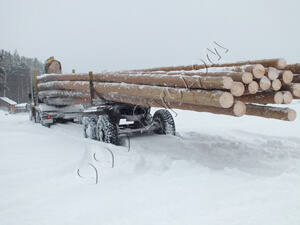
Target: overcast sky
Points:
(96, 35)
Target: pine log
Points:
(66, 101)
(251, 88)
(276, 85)
(264, 83)
(64, 94)
(272, 73)
(293, 88)
(277, 63)
(238, 109)
(286, 114)
(238, 89)
(257, 70)
(295, 68)
(286, 76)
(263, 98)
(287, 97)
(200, 97)
(207, 82)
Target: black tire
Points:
(165, 121)
(90, 127)
(107, 130)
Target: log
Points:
(287, 97)
(286, 76)
(238, 89)
(272, 73)
(251, 88)
(263, 98)
(257, 70)
(277, 63)
(264, 83)
(64, 94)
(293, 88)
(199, 97)
(238, 109)
(207, 82)
(286, 114)
(276, 85)
(294, 68)
(66, 101)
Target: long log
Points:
(294, 88)
(277, 63)
(286, 114)
(64, 94)
(263, 98)
(237, 110)
(199, 97)
(207, 82)
(65, 101)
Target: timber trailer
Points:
(101, 119)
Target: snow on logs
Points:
(229, 89)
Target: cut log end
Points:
(287, 97)
(237, 89)
(226, 100)
(253, 87)
(265, 83)
(247, 78)
(287, 76)
(272, 73)
(281, 64)
(227, 83)
(278, 98)
(258, 71)
(239, 109)
(296, 90)
(291, 116)
(276, 85)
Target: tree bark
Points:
(238, 109)
(286, 114)
(200, 97)
(263, 98)
(294, 88)
(295, 68)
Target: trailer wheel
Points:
(165, 121)
(107, 130)
(90, 127)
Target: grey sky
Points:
(114, 34)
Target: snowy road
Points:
(217, 170)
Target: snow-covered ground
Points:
(217, 170)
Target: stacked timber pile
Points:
(232, 89)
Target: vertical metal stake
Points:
(91, 87)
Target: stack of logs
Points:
(232, 89)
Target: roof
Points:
(7, 100)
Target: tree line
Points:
(16, 75)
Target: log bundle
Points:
(233, 89)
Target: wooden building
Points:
(7, 104)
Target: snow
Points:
(7, 100)
(217, 170)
